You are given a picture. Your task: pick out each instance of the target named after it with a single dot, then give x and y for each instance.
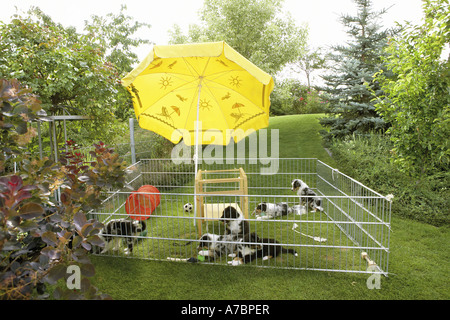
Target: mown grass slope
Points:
(417, 262)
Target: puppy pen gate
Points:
(351, 234)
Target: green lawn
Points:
(418, 262)
(300, 138)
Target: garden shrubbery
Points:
(367, 159)
(405, 92)
(40, 238)
(291, 97)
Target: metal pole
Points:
(40, 138)
(55, 142)
(196, 149)
(65, 136)
(132, 144)
(196, 128)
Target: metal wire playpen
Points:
(351, 234)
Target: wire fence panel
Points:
(349, 232)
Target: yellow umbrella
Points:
(176, 86)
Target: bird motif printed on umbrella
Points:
(136, 93)
(156, 65)
(227, 96)
(182, 99)
(170, 66)
(222, 63)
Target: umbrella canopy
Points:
(176, 86)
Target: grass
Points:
(417, 262)
(418, 268)
(300, 138)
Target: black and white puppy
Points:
(214, 245)
(253, 247)
(271, 248)
(266, 210)
(307, 196)
(235, 223)
(121, 231)
(247, 249)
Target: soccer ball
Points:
(188, 207)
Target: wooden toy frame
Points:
(213, 211)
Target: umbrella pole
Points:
(196, 150)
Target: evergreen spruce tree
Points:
(350, 87)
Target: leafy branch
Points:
(39, 239)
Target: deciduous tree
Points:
(258, 29)
(39, 237)
(417, 99)
(73, 73)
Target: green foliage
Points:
(52, 59)
(417, 98)
(351, 106)
(281, 99)
(39, 239)
(73, 73)
(366, 158)
(257, 29)
(18, 108)
(308, 100)
(114, 34)
(311, 61)
(291, 97)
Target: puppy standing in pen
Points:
(121, 231)
(307, 196)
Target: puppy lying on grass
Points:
(253, 247)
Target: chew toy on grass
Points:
(318, 239)
(365, 256)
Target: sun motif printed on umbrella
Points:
(204, 104)
(165, 82)
(235, 82)
(210, 81)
